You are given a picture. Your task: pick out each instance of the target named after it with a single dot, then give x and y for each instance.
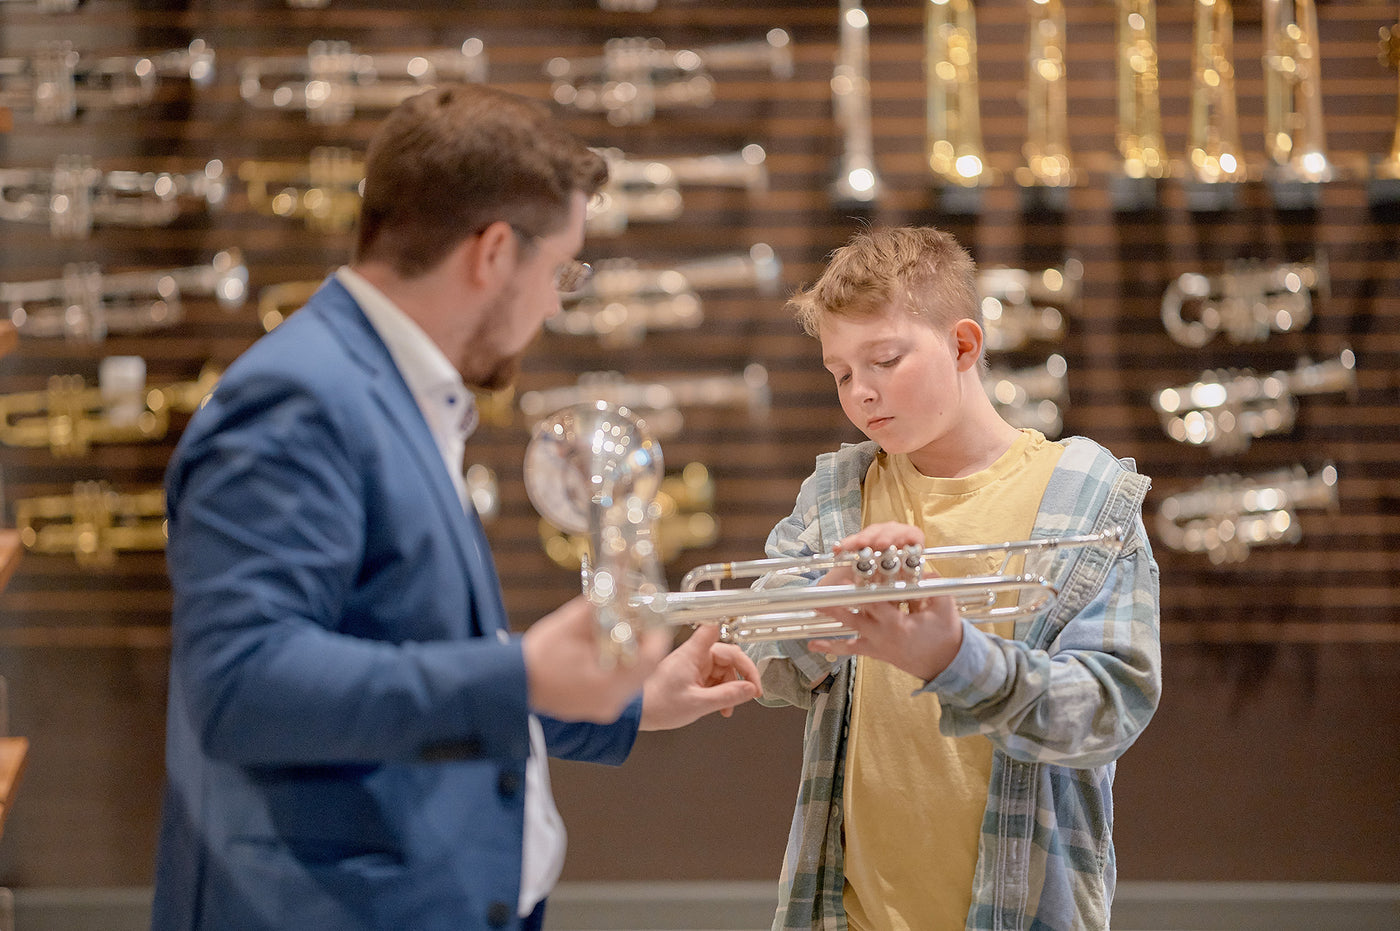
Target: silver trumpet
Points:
(624, 300)
(1226, 408)
(75, 196)
(856, 182)
(1030, 397)
(333, 82)
(43, 6)
(57, 81)
(635, 77)
(1247, 302)
(659, 402)
(1293, 136)
(648, 190)
(86, 303)
(596, 469)
(1020, 306)
(1226, 515)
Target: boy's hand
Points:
(921, 637)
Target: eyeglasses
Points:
(572, 276)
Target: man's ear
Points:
(967, 340)
(490, 255)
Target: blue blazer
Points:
(347, 726)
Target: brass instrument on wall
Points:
(1048, 162)
(87, 303)
(94, 523)
(323, 192)
(1293, 135)
(595, 469)
(278, 301)
(74, 196)
(1226, 515)
(1019, 306)
(953, 117)
(1226, 408)
(857, 181)
(658, 402)
(1139, 130)
(69, 415)
(649, 189)
(625, 300)
(43, 6)
(635, 77)
(1247, 301)
(1388, 168)
(56, 82)
(1214, 153)
(1031, 397)
(333, 82)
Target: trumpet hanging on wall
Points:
(86, 303)
(636, 77)
(1224, 409)
(1226, 516)
(1247, 302)
(94, 523)
(333, 81)
(74, 196)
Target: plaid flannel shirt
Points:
(1060, 703)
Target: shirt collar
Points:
(447, 405)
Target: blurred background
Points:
(1187, 220)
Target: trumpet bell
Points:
(586, 454)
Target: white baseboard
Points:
(748, 906)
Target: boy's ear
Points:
(967, 340)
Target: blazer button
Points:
(498, 915)
(508, 783)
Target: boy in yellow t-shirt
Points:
(955, 776)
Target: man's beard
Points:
(502, 376)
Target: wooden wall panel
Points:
(85, 649)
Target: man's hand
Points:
(700, 676)
(566, 679)
(919, 636)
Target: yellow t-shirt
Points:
(914, 799)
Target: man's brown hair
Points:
(452, 160)
(920, 270)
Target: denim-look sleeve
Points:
(1082, 684)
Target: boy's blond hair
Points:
(916, 268)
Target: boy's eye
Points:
(888, 362)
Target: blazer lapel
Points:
(387, 386)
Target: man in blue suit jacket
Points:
(355, 740)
